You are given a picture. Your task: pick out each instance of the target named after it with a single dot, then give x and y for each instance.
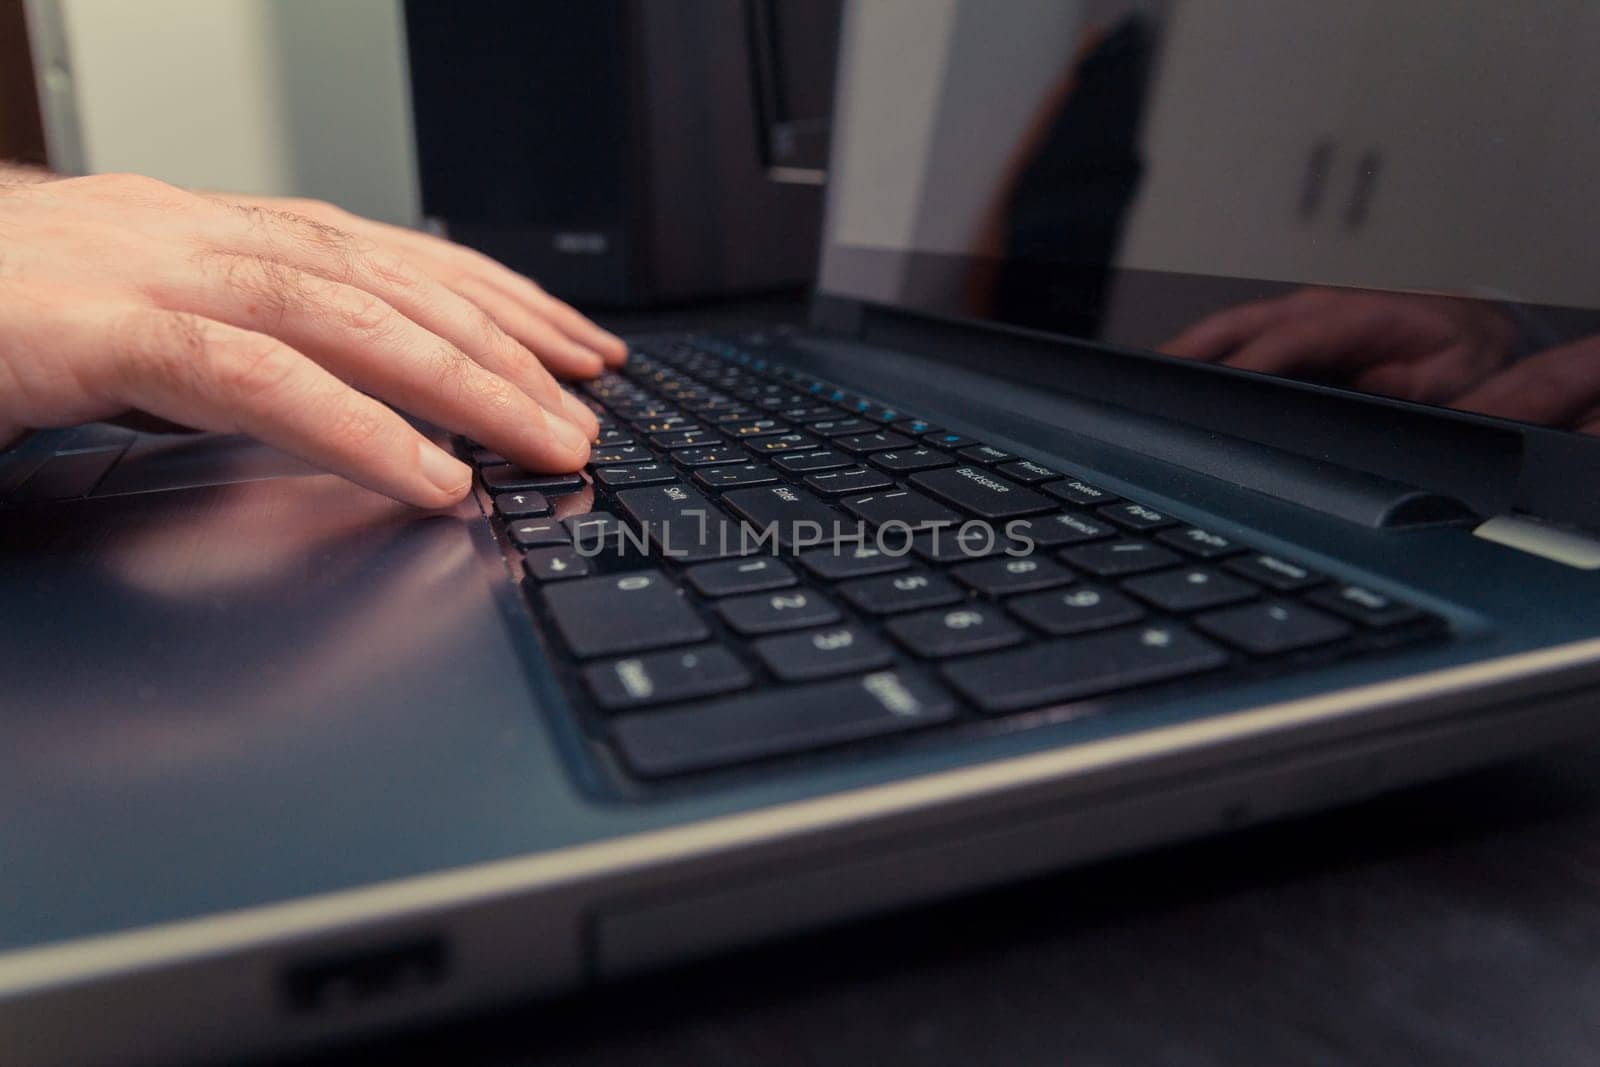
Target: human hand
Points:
(563, 339)
(124, 294)
(1408, 345)
(1557, 387)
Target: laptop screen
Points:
(1400, 199)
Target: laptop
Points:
(1196, 426)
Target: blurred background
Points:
(624, 152)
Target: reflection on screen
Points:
(1395, 198)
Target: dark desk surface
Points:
(1457, 923)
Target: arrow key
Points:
(553, 564)
(523, 505)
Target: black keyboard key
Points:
(679, 522)
(823, 653)
(765, 613)
(622, 613)
(1201, 543)
(988, 455)
(686, 439)
(665, 677)
(1074, 491)
(777, 401)
(953, 544)
(1272, 628)
(943, 439)
(1008, 575)
(508, 479)
(958, 631)
(608, 438)
(791, 515)
(1190, 589)
(902, 506)
(753, 427)
(635, 474)
(530, 533)
(909, 460)
(1077, 668)
(664, 423)
(862, 444)
(692, 458)
(981, 493)
(482, 457)
(915, 427)
(1275, 573)
(722, 412)
(732, 577)
(521, 505)
(781, 442)
(856, 405)
(554, 564)
(1365, 606)
(847, 481)
(598, 532)
(805, 414)
(776, 722)
(1054, 531)
(1028, 472)
(1077, 610)
(841, 427)
(807, 462)
(838, 562)
(734, 477)
(617, 455)
(1113, 559)
(892, 593)
(1136, 516)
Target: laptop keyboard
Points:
(758, 564)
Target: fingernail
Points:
(448, 474)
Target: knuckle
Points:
(393, 269)
(161, 348)
(276, 288)
(256, 369)
(489, 333)
(311, 208)
(495, 399)
(356, 425)
(453, 368)
(135, 187)
(361, 312)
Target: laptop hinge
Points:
(1038, 416)
(1477, 461)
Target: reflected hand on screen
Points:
(1411, 346)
